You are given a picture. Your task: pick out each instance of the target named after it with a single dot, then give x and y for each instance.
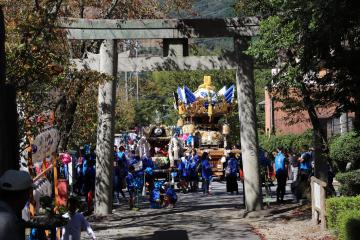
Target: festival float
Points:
(200, 114)
(158, 137)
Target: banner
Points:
(45, 144)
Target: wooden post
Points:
(2, 48)
(248, 130)
(9, 144)
(56, 190)
(105, 130)
(318, 197)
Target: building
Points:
(280, 122)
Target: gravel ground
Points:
(195, 217)
(292, 224)
(219, 216)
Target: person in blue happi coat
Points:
(134, 159)
(194, 162)
(89, 182)
(281, 164)
(155, 195)
(206, 172)
(190, 141)
(148, 166)
(120, 173)
(170, 196)
(130, 183)
(183, 168)
(305, 169)
(231, 173)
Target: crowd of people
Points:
(287, 164)
(137, 175)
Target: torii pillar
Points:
(245, 86)
(105, 129)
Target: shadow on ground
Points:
(161, 235)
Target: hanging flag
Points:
(222, 91)
(229, 94)
(189, 95)
(181, 94)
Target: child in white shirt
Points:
(76, 224)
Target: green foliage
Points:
(291, 141)
(350, 182)
(262, 79)
(302, 38)
(349, 225)
(85, 118)
(346, 148)
(337, 205)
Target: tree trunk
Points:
(319, 136)
(66, 115)
(245, 85)
(105, 130)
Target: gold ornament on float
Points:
(226, 129)
(182, 109)
(188, 128)
(180, 122)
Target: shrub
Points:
(349, 225)
(350, 182)
(346, 148)
(334, 206)
(292, 141)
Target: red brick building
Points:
(280, 122)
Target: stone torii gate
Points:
(174, 34)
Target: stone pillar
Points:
(245, 86)
(105, 130)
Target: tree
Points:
(304, 39)
(315, 45)
(37, 65)
(40, 71)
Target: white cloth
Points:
(294, 173)
(76, 224)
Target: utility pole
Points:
(136, 47)
(126, 88)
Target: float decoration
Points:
(204, 101)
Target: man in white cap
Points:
(15, 187)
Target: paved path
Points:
(195, 217)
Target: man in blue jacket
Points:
(231, 171)
(305, 169)
(193, 174)
(206, 172)
(281, 165)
